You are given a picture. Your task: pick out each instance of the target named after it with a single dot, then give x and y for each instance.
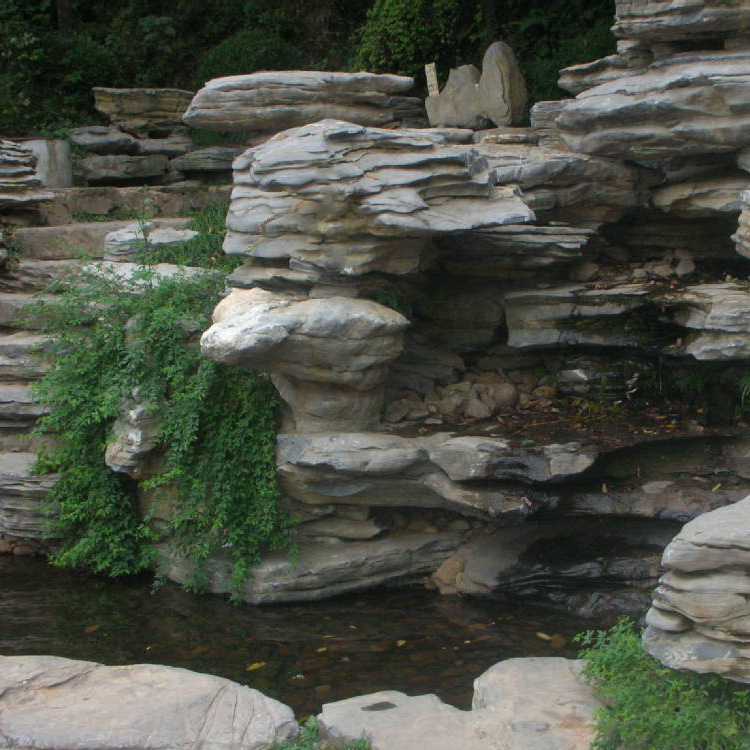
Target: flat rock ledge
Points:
(141, 706)
(518, 704)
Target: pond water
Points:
(304, 655)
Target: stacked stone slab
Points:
(271, 101)
(699, 619)
(20, 186)
(146, 141)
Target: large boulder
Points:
(50, 703)
(272, 101)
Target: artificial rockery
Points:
(513, 359)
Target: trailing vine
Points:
(216, 443)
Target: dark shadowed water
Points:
(304, 655)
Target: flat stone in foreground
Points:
(519, 704)
(50, 703)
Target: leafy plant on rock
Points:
(650, 707)
(217, 426)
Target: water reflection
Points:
(304, 655)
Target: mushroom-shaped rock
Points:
(700, 617)
(328, 356)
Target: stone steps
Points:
(20, 356)
(114, 202)
(15, 310)
(74, 241)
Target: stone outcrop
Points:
(144, 706)
(20, 185)
(519, 704)
(471, 99)
(143, 111)
(699, 620)
(742, 236)
(272, 101)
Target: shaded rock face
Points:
(471, 99)
(520, 704)
(141, 111)
(137, 706)
(699, 615)
(272, 101)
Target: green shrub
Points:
(650, 707)
(309, 739)
(217, 425)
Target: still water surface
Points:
(304, 655)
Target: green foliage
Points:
(650, 707)
(400, 37)
(309, 739)
(204, 250)
(217, 424)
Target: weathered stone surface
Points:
(19, 182)
(341, 528)
(135, 434)
(22, 356)
(99, 139)
(141, 111)
(565, 315)
(439, 471)
(543, 116)
(341, 198)
(518, 704)
(689, 103)
(681, 20)
(145, 706)
(470, 99)
(563, 186)
(21, 495)
(578, 78)
(328, 356)
(77, 239)
(704, 198)
(147, 201)
(700, 619)
(174, 145)
(272, 101)
(323, 570)
(53, 163)
(102, 169)
(127, 243)
(742, 235)
(34, 275)
(214, 159)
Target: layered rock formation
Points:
(272, 101)
(699, 620)
(20, 185)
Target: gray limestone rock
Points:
(681, 20)
(578, 78)
(128, 243)
(470, 99)
(700, 619)
(687, 104)
(322, 570)
(338, 198)
(20, 184)
(102, 169)
(703, 198)
(214, 159)
(143, 111)
(99, 139)
(272, 101)
(518, 704)
(134, 436)
(144, 706)
(328, 356)
(21, 495)
(742, 235)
